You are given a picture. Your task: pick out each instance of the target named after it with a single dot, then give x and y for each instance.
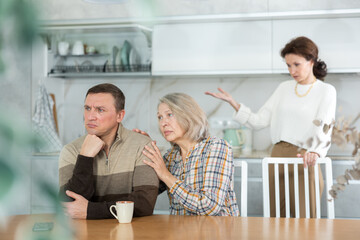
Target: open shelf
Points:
(100, 71)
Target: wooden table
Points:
(192, 227)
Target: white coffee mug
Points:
(63, 48)
(124, 210)
(78, 48)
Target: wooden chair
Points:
(296, 162)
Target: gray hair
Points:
(188, 114)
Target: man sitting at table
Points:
(106, 165)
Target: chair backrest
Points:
(354, 182)
(244, 182)
(296, 162)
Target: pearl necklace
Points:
(307, 92)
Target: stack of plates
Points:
(124, 55)
(124, 59)
(134, 59)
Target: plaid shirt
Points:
(204, 185)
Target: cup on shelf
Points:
(63, 48)
(78, 48)
(90, 50)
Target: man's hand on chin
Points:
(78, 208)
(91, 146)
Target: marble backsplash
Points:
(142, 97)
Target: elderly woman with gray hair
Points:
(198, 170)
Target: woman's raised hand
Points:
(225, 96)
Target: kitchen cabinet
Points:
(337, 38)
(232, 44)
(108, 51)
(212, 48)
(251, 44)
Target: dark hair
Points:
(306, 48)
(118, 95)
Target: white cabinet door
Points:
(212, 48)
(338, 40)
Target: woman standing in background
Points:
(290, 112)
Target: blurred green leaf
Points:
(23, 14)
(18, 26)
(4, 7)
(51, 193)
(6, 131)
(2, 65)
(26, 22)
(7, 178)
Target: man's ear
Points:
(120, 115)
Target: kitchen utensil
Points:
(134, 59)
(63, 48)
(146, 54)
(234, 137)
(87, 66)
(240, 139)
(78, 48)
(90, 50)
(115, 52)
(54, 112)
(125, 51)
(104, 69)
(246, 147)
